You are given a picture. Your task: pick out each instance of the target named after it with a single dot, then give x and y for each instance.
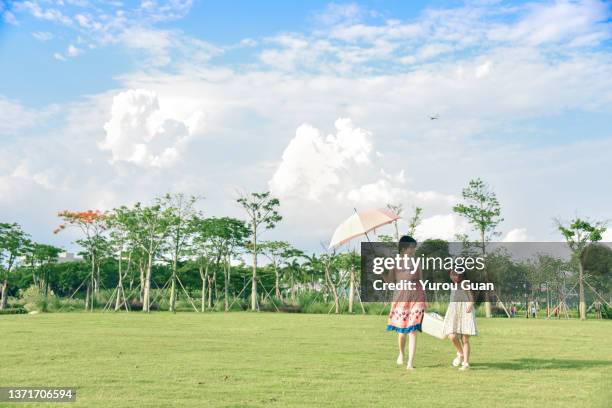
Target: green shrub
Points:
(35, 300)
(13, 310)
(290, 309)
(606, 312)
(104, 295)
(304, 299)
(69, 305)
(376, 308)
(184, 305)
(236, 305)
(318, 308)
(271, 304)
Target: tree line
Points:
(169, 243)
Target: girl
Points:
(408, 306)
(460, 321)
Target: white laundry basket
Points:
(433, 324)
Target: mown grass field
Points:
(296, 360)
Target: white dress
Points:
(457, 320)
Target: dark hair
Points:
(461, 276)
(406, 242)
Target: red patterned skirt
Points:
(406, 317)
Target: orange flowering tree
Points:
(92, 224)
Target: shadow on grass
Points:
(543, 364)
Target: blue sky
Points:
(221, 22)
(104, 103)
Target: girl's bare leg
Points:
(455, 340)
(466, 349)
(411, 349)
(401, 342)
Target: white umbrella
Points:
(361, 223)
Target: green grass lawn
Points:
(265, 359)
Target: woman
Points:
(408, 305)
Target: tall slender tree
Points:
(275, 251)
(41, 257)
(119, 244)
(148, 226)
(414, 221)
(293, 269)
(13, 244)
(227, 235)
(181, 213)
(202, 250)
(262, 212)
(329, 264)
(578, 235)
(349, 262)
(92, 224)
(483, 211)
(396, 209)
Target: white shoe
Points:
(409, 367)
(464, 367)
(457, 360)
(400, 359)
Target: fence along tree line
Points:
(172, 231)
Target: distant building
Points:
(68, 257)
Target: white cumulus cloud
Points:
(322, 179)
(139, 132)
(442, 226)
(516, 235)
(313, 166)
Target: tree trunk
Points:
(4, 295)
(547, 302)
(173, 288)
(142, 280)
(351, 290)
(46, 282)
(120, 293)
(277, 283)
(487, 302)
(227, 280)
(204, 277)
(119, 286)
(97, 280)
(336, 302)
(203, 296)
(147, 285)
(88, 296)
(582, 304)
(216, 291)
(254, 281)
(34, 278)
(210, 284)
(334, 290)
(92, 282)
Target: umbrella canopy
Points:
(361, 223)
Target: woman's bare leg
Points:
(466, 349)
(401, 342)
(411, 349)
